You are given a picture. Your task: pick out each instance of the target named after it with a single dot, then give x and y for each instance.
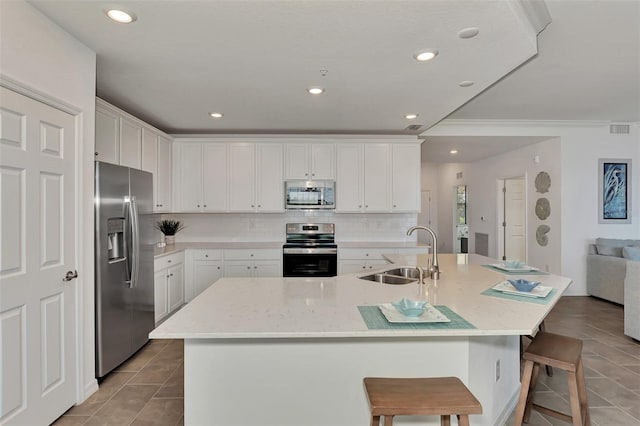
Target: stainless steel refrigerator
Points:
(124, 263)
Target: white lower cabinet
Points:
(206, 269)
(351, 260)
(168, 284)
(252, 263)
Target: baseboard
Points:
(511, 405)
(89, 389)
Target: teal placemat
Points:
(538, 300)
(375, 320)
(493, 268)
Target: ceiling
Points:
(253, 61)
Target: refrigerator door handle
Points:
(129, 249)
(135, 242)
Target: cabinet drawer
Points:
(359, 254)
(207, 254)
(244, 254)
(168, 260)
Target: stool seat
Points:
(561, 352)
(443, 396)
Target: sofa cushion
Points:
(631, 253)
(606, 250)
(614, 242)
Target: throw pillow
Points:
(631, 253)
(609, 251)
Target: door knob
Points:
(70, 275)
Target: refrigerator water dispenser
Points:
(115, 238)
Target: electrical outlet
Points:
(497, 370)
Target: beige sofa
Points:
(607, 268)
(632, 300)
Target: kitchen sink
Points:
(394, 276)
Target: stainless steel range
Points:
(310, 250)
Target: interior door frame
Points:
(24, 89)
(501, 215)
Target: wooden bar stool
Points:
(541, 327)
(441, 396)
(561, 352)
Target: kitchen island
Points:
(293, 351)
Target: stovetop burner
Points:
(310, 235)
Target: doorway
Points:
(512, 226)
(460, 227)
(424, 217)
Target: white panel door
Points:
(175, 287)
(296, 161)
(238, 268)
(189, 169)
(515, 241)
(130, 143)
(376, 178)
(163, 190)
(214, 181)
(405, 177)
(37, 248)
(350, 173)
(160, 281)
(323, 160)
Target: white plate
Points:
(431, 314)
(506, 287)
(524, 268)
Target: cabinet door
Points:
(296, 161)
(163, 189)
(214, 183)
(351, 266)
(349, 188)
(205, 273)
(189, 169)
(160, 294)
(376, 178)
(323, 157)
(267, 268)
(238, 268)
(269, 181)
(130, 143)
(242, 177)
(405, 178)
(149, 160)
(107, 137)
(175, 287)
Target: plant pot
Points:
(170, 239)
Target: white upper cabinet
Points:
(107, 135)
(349, 178)
(405, 178)
(201, 177)
(377, 176)
(163, 179)
(269, 178)
(242, 177)
(130, 143)
(309, 161)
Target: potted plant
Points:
(169, 228)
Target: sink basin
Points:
(398, 275)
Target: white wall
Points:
(429, 179)
(581, 144)
(39, 55)
(204, 227)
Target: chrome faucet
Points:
(421, 273)
(434, 270)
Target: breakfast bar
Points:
(293, 351)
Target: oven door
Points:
(310, 262)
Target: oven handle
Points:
(310, 251)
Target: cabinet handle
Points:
(394, 206)
(366, 206)
(169, 261)
(252, 206)
(170, 275)
(206, 255)
(218, 267)
(198, 205)
(96, 153)
(204, 205)
(313, 174)
(360, 206)
(370, 266)
(306, 174)
(367, 254)
(364, 266)
(259, 205)
(255, 267)
(248, 267)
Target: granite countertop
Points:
(238, 308)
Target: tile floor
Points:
(147, 389)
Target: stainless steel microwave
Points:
(309, 194)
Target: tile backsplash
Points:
(202, 227)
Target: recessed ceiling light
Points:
(216, 114)
(466, 83)
(121, 16)
(425, 55)
(411, 116)
(453, 151)
(468, 32)
(315, 90)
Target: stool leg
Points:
(532, 392)
(388, 420)
(524, 391)
(375, 420)
(549, 369)
(582, 393)
(574, 400)
(445, 420)
(463, 420)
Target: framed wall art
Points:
(614, 191)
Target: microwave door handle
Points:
(128, 237)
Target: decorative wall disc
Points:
(541, 235)
(543, 182)
(543, 208)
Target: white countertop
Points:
(235, 308)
